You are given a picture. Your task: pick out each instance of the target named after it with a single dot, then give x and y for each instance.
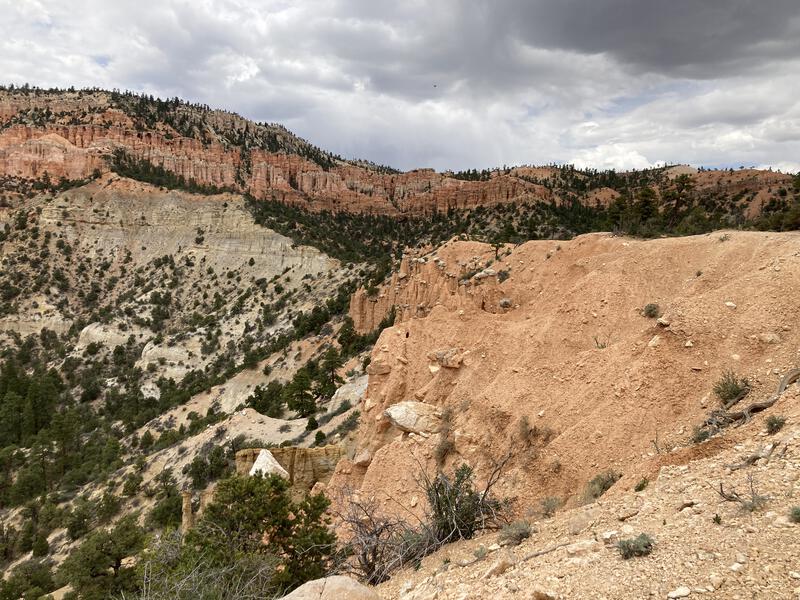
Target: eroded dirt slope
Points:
(562, 345)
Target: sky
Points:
(449, 84)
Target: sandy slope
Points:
(728, 300)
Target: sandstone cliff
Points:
(73, 134)
(306, 466)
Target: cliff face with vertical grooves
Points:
(73, 134)
(464, 283)
(306, 466)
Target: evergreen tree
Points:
(298, 395)
(95, 569)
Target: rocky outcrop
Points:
(336, 587)
(414, 417)
(83, 130)
(267, 465)
(304, 466)
(424, 281)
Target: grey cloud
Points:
(451, 83)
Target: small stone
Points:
(736, 567)
(663, 321)
(794, 574)
(583, 548)
(655, 341)
(609, 538)
(681, 592)
(716, 580)
(363, 458)
(730, 304)
(688, 344)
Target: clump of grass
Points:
(514, 533)
(480, 552)
(700, 435)
(730, 386)
(794, 514)
(600, 484)
(641, 545)
(775, 423)
(651, 311)
(550, 505)
(642, 485)
(529, 434)
(600, 344)
(444, 447)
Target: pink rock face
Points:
(87, 130)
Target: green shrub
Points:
(550, 505)
(40, 545)
(600, 484)
(794, 514)
(641, 485)
(641, 545)
(730, 386)
(31, 579)
(700, 434)
(95, 569)
(443, 447)
(457, 509)
(652, 311)
(246, 510)
(775, 423)
(514, 533)
(167, 511)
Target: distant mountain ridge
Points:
(74, 135)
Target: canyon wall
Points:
(80, 134)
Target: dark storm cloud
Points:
(686, 37)
(449, 83)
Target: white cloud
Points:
(448, 84)
(612, 156)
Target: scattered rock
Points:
(681, 592)
(737, 567)
(582, 520)
(716, 580)
(379, 366)
(414, 417)
(730, 304)
(450, 358)
(363, 458)
(335, 587)
(769, 338)
(655, 341)
(583, 548)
